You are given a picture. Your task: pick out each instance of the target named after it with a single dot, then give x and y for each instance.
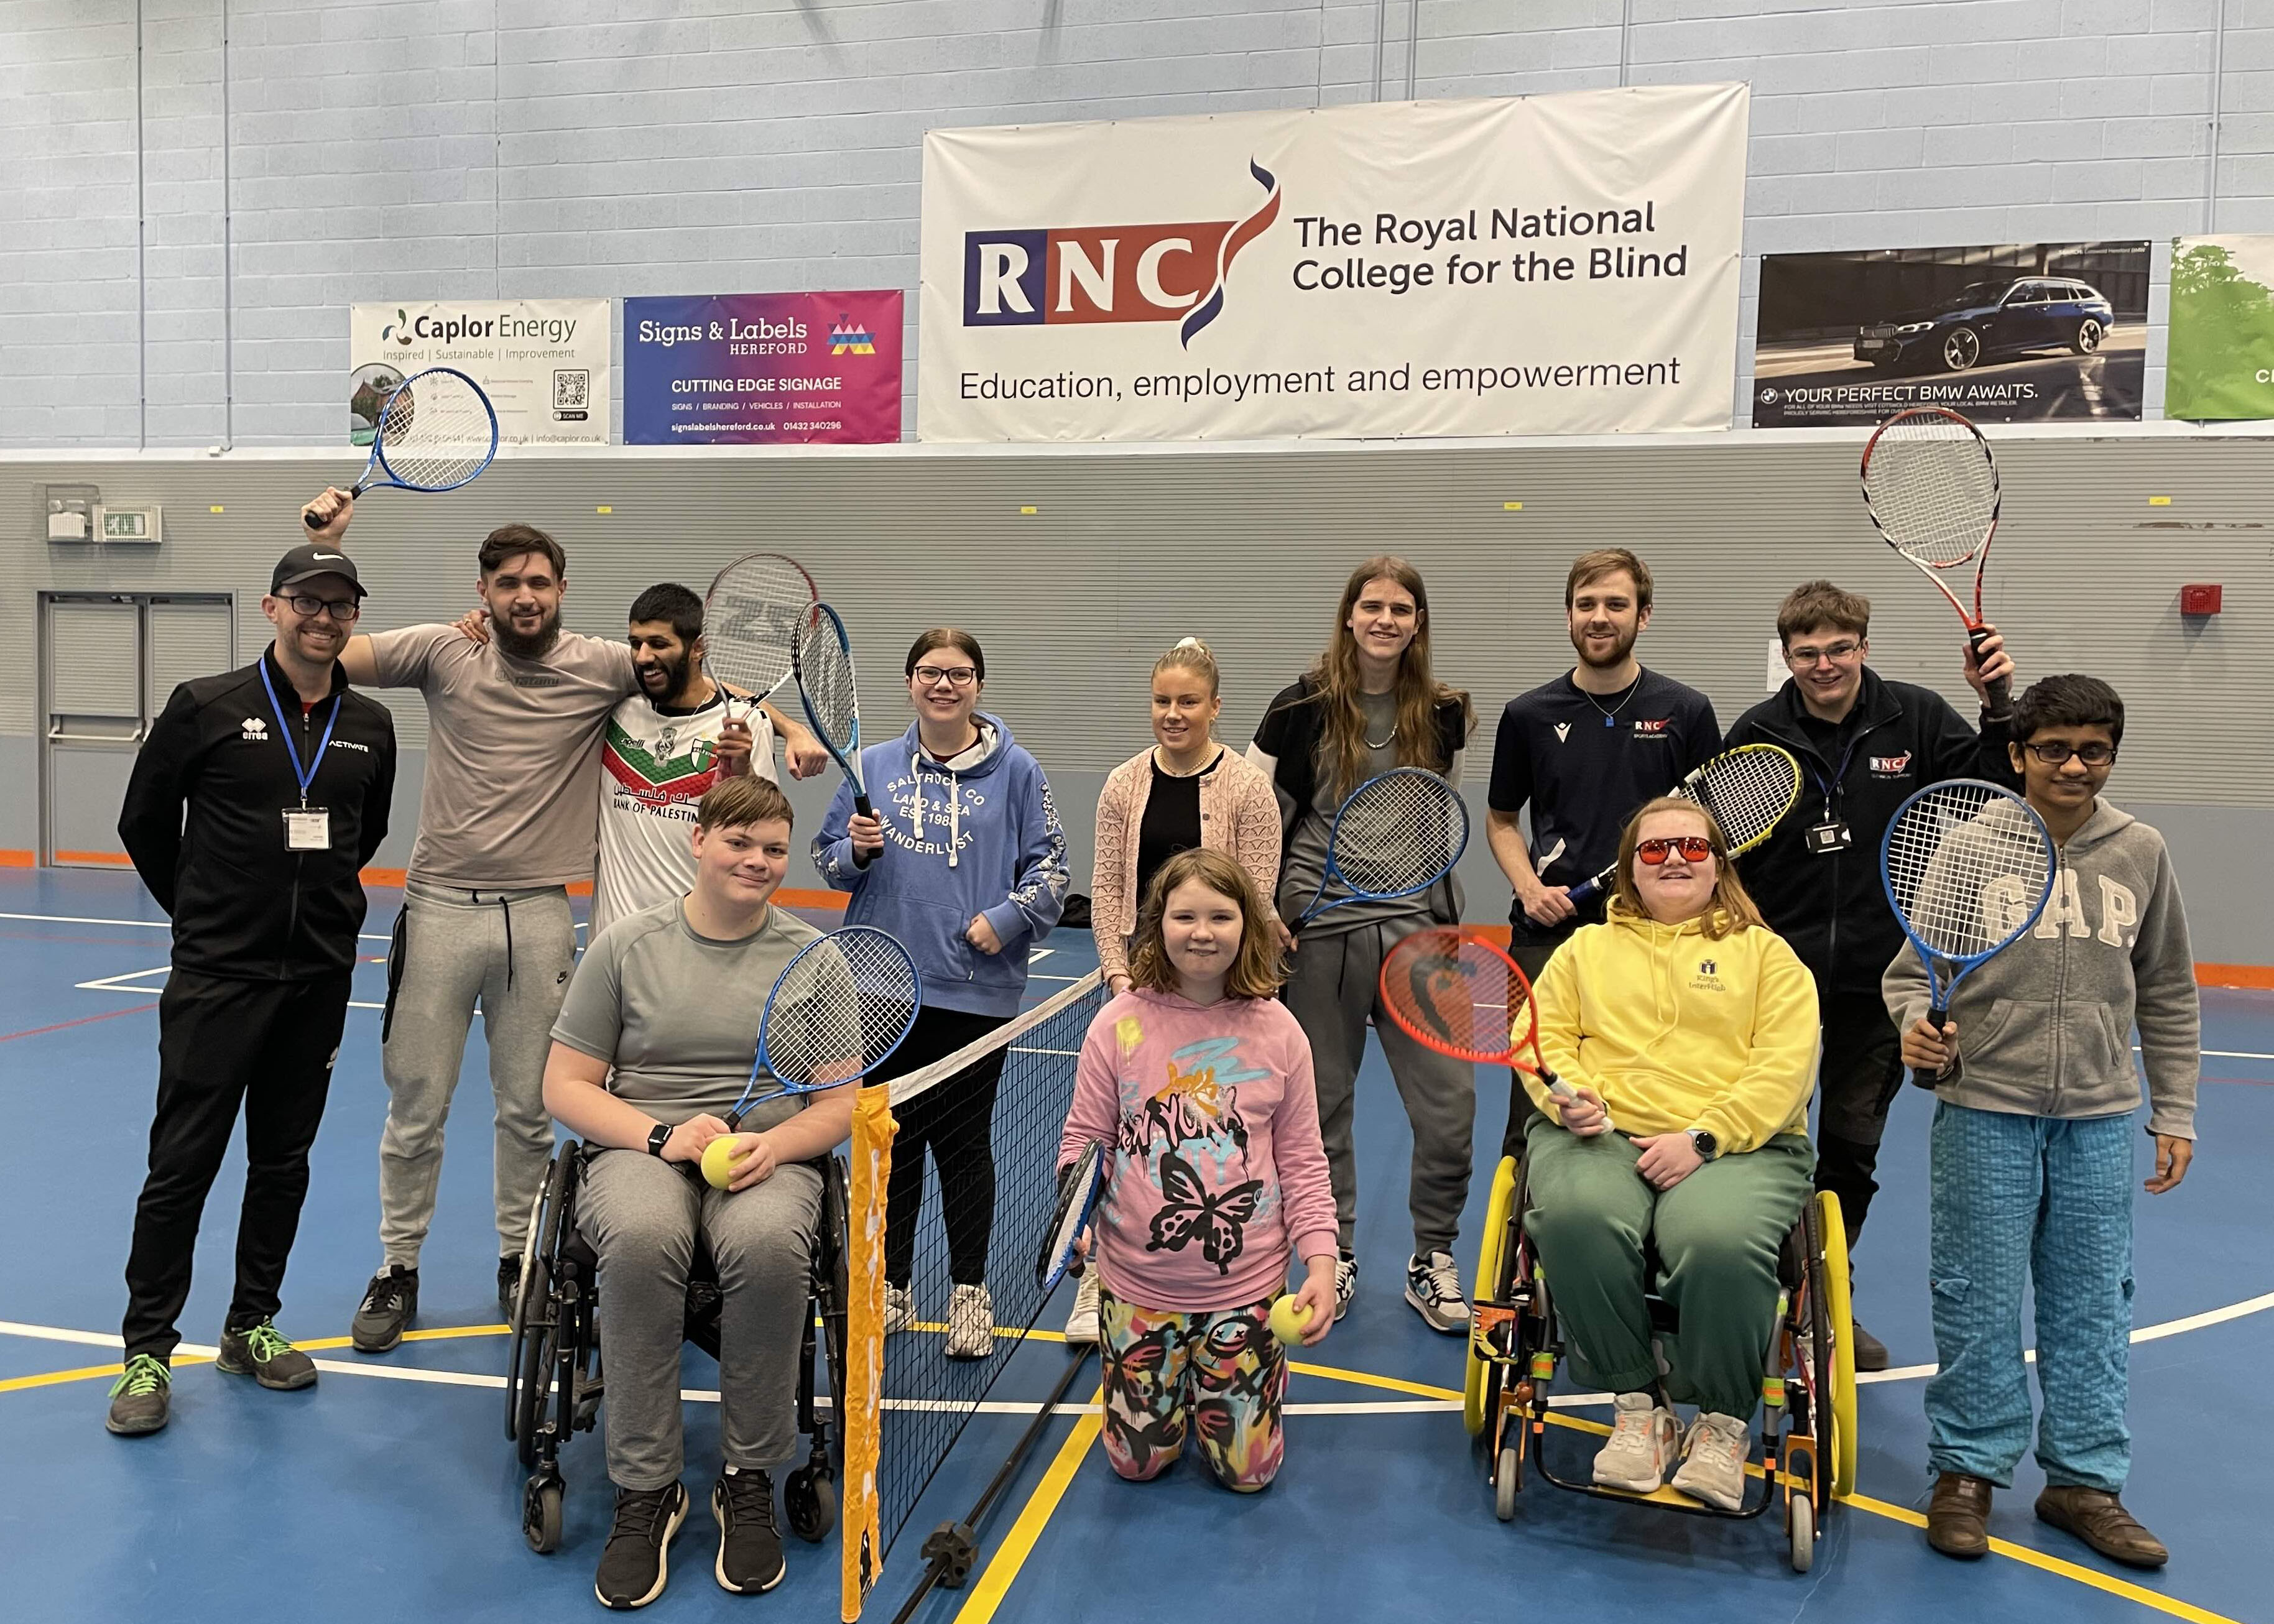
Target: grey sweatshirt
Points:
(2044, 1028)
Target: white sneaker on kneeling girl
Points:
(1641, 1444)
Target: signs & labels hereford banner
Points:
(1549, 264)
(544, 363)
(763, 369)
(2221, 364)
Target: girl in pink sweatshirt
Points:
(1198, 1082)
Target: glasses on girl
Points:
(1694, 848)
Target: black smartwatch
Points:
(1705, 1145)
(656, 1138)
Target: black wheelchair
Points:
(553, 1379)
(1805, 1454)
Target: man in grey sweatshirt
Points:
(2032, 1143)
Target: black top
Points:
(1295, 723)
(1171, 822)
(1584, 761)
(1897, 737)
(243, 905)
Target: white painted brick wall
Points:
(399, 149)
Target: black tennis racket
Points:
(1930, 488)
(1393, 836)
(822, 656)
(751, 616)
(1747, 790)
(436, 432)
(1079, 1186)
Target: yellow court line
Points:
(92, 1373)
(97, 1372)
(1002, 1568)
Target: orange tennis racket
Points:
(1450, 989)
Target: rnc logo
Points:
(1891, 766)
(1014, 277)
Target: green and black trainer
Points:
(141, 1397)
(261, 1352)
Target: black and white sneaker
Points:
(750, 1546)
(1433, 1285)
(632, 1564)
(1346, 1281)
(388, 1302)
(509, 1286)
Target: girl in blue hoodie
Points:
(965, 862)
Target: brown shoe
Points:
(2099, 1519)
(1958, 1516)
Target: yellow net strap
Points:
(864, 1344)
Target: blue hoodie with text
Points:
(974, 834)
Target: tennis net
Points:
(922, 1202)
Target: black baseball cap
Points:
(306, 563)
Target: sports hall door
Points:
(107, 663)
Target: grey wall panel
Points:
(188, 640)
(92, 660)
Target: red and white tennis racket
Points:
(1931, 487)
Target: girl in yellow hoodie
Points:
(1688, 1030)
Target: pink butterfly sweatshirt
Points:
(1215, 1175)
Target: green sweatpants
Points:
(1718, 1234)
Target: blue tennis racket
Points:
(1079, 1188)
(1968, 866)
(836, 1013)
(1394, 836)
(436, 432)
(821, 656)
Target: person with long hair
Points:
(1371, 702)
(964, 861)
(1690, 1024)
(1198, 1083)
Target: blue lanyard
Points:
(307, 775)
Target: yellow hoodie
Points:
(1674, 1031)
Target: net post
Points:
(865, 1345)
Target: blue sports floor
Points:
(389, 1490)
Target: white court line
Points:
(139, 924)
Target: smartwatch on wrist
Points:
(656, 1138)
(1705, 1145)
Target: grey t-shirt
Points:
(511, 751)
(1306, 849)
(677, 1014)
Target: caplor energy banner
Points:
(2222, 351)
(763, 369)
(544, 363)
(1559, 264)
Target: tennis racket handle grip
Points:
(861, 806)
(1997, 697)
(1562, 1090)
(1938, 1017)
(1585, 891)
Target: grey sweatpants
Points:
(1333, 984)
(642, 1214)
(512, 950)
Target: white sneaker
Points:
(1081, 1325)
(1640, 1445)
(970, 1323)
(1433, 1285)
(1713, 1458)
(1345, 1283)
(899, 1309)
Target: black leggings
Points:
(956, 1120)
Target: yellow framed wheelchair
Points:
(1804, 1455)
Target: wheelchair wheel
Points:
(1840, 1395)
(1508, 1482)
(1480, 1385)
(1800, 1527)
(810, 1499)
(522, 1302)
(540, 1514)
(530, 1384)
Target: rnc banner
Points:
(544, 363)
(760, 369)
(2222, 349)
(1552, 264)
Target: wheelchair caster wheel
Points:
(1506, 1482)
(810, 1498)
(1800, 1515)
(540, 1515)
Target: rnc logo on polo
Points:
(1030, 277)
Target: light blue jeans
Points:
(2016, 1200)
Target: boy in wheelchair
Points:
(653, 1045)
(1691, 1027)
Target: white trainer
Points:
(1081, 1325)
(1433, 1285)
(899, 1309)
(1713, 1462)
(1640, 1445)
(1345, 1283)
(970, 1323)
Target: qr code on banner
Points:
(570, 390)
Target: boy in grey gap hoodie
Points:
(2032, 1146)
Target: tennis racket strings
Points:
(1967, 868)
(1747, 791)
(436, 432)
(825, 676)
(1398, 834)
(1465, 995)
(840, 1009)
(1931, 487)
(755, 605)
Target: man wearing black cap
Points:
(258, 795)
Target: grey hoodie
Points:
(2044, 1028)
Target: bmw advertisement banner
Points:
(2003, 333)
(544, 363)
(2222, 340)
(1549, 264)
(763, 369)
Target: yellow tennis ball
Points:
(717, 1157)
(1288, 1319)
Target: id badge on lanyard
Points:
(1830, 834)
(306, 828)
